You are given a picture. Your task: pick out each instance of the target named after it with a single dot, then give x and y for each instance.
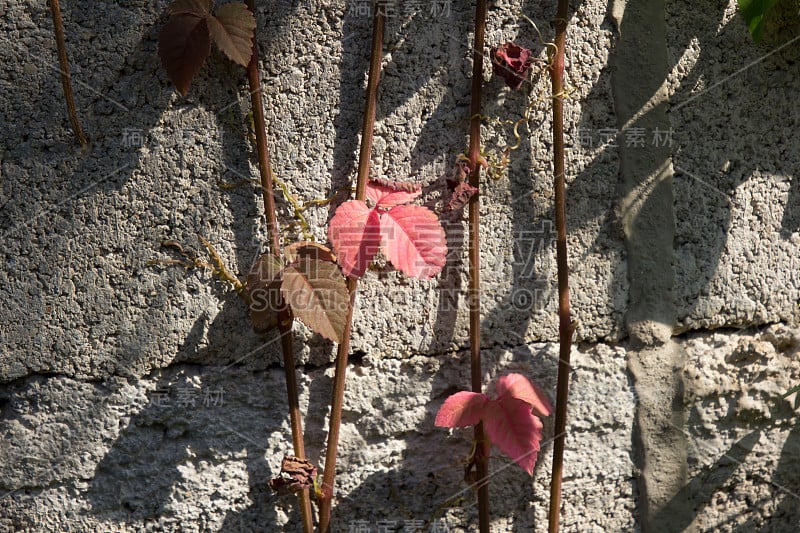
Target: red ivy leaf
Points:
(508, 420)
(183, 46)
(185, 40)
(317, 294)
(413, 240)
(411, 236)
(232, 29)
(518, 386)
(511, 426)
(461, 409)
(354, 232)
(512, 63)
(387, 194)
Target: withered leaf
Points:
(198, 8)
(262, 293)
(309, 250)
(232, 30)
(512, 63)
(183, 46)
(296, 475)
(317, 294)
(461, 195)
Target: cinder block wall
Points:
(135, 397)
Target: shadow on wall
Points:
(61, 236)
(729, 113)
(779, 510)
(98, 218)
(137, 476)
(189, 454)
(210, 438)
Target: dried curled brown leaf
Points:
(461, 195)
(296, 475)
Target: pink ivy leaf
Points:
(386, 194)
(355, 232)
(511, 426)
(413, 240)
(461, 409)
(518, 386)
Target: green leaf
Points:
(318, 296)
(262, 293)
(754, 12)
(232, 29)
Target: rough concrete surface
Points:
(135, 396)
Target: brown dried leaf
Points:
(308, 249)
(461, 196)
(296, 475)
(318, 296)
(183, 46)
(232, 29)
(198, 8)
(262, 293)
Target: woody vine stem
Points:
(66, 79)
(285, 318)
(481, 456)
(565, 324)
(329, 473)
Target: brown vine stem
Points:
(329, 474)
(565, 326)
(285, 318)
(474, 304)
(66, 79)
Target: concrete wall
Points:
(136, 397)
